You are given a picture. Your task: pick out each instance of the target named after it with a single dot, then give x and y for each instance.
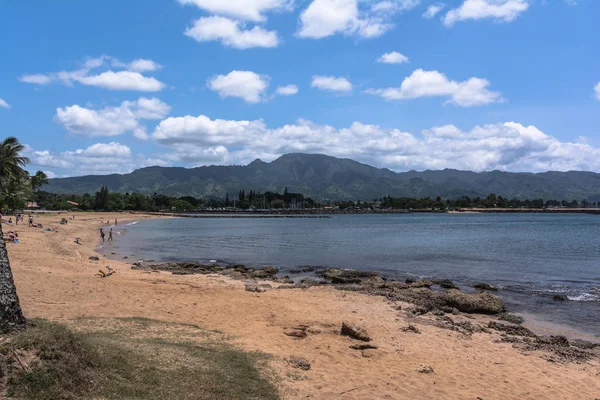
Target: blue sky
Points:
(111, 86)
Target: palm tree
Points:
(11, 169)
(38, 180)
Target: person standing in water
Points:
(116, 222)
(102, 234)
(110, 235)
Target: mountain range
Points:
(324, 177)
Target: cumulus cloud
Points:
(507, 146)
(230, 33)
(331, 83)
(251, 10)
(323, 18)
(112, 121)
(288, 90)
(433, 10)
(393, 58)
(597, 90)
(246, 85)
(99, 158)
(498, 10)
(129, 78)
(469, 93)
(4, 104)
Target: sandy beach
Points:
(56, 280)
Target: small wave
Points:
(584, 297)
(132, 223)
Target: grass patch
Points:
(127, 359)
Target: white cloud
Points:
(130, 78)
(433, 10)
(245, 85)
(498, 10)
(252, 10)
(288, 90)
(112, 121)
(331, 83)
(323, 18)
(50, 174)
(472, 92)
(597, 90)
(123, 80)
(507, 146)
(4, 104)
(99, 158)
(393, 58)
(228, 32)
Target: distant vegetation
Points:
(325, 178)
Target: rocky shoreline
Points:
(433, 302)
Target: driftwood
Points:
(103, 274)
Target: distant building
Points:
(31, 204)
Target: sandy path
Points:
(55, 280)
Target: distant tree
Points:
(102, 198)
(38, 180)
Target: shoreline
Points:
(533, 321)
(55, 280)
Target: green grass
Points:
(128, 359)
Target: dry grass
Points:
(128, 359)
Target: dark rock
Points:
(425, 369)
(299, 362)
(411, 328)
(363, 347)
(355, 332)
(511, 329)
(302, 270)
(254, 287)
(513, 319)
(423, 283)
(94, 258)
(298, 333)
(410, 280)
(479, 303)
(560, 341)
(339, 280)
(559, 297)
(485, 286)
(283, 279)
(330, 273)
(446, 284)
(584, 344)
(307, 283)
(125, 258)
(438, 313)
(264, 273)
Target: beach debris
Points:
(513, 319)
(559, 297)
(514, 330)
(78, 240)
(355, 332)
(363, 347)
(411, 328)
(299, 362)
(103, 274)
(485, 286)
(94, 258)
(254, 287)
(425, 369)
(299, 332)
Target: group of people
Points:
(110, 235)
(13, 237)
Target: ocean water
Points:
(531, 257)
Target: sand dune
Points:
(55, 280)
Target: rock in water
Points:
(485, 286)
(481, 303)
(355, 332)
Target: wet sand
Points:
(55, 280)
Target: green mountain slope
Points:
(323, 177)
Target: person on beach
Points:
(30, 220)
(110, 235)
(102, 234)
